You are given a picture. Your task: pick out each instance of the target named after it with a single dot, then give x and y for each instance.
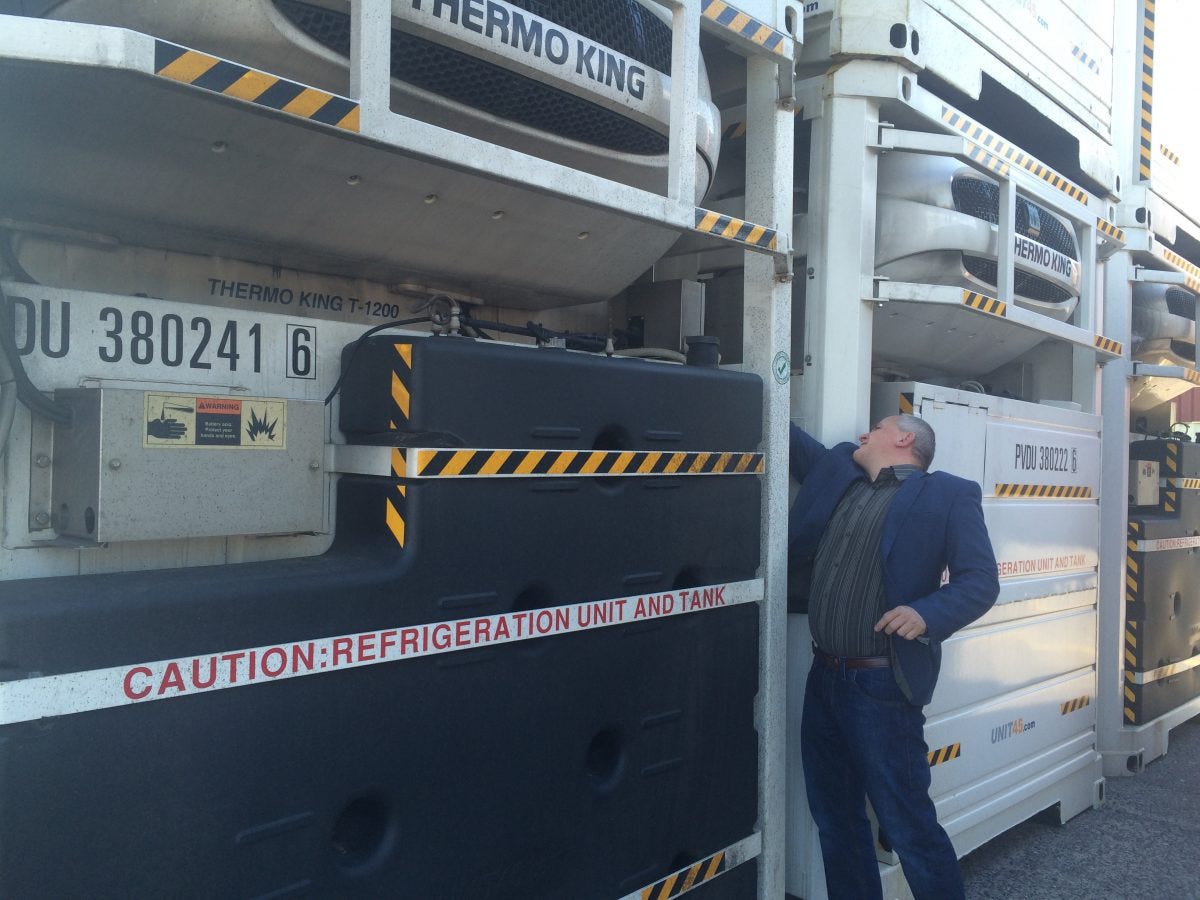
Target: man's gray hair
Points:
(924, 444)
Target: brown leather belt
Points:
(851, 662)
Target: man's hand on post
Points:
(903, 621)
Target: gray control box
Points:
(156, 465)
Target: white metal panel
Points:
(1036, 538)
(1022, 454)
(997, 737)
(982, 663)
(1055, 55)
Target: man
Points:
(878, 532)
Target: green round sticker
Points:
(781, 366)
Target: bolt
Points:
(42, 518)
(114, 464)
(42, 461)
(314, 465)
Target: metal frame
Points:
(847, 106)
(1143, 214)
(767, 320)
(370, 55)
(758, 32)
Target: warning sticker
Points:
(184, 420)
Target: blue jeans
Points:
(860, 738)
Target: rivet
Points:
(114, 464)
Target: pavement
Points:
(1142, 844)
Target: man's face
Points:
(876, 446)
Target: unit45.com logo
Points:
(1008, 729)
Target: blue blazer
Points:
(935, 524)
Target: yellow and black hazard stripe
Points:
(1184, 484)
(1168, 499)
(733, 229)
(944, 754)
(1131, 698)
(394, 514)
(704, 870)
(1043, 491)
(402, 367)
(1191, 271)
(906, 403)
(1171, 459)
(685, 879)
(984, 303)
(1075, 705)
(1108, 229)
(211, 73)
(475, 463)
(744, 26)
(1133, 566)
(1107, 345)
(1165, 151)
(1146, 141)
(996, 145)
(989, 161)
(1131, 645)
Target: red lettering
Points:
(127, 684)
(462, 633)
(502, 632)
(343, 650)
(483, 631)
(172, 678)
(232, 659)
(212, 673)
(274, 671)
(387, 640)
(442, 636)
(366, 647)
(302, 657)
(408, 640)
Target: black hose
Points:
(400, 323)
(590, 342)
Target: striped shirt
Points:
(847, 596)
